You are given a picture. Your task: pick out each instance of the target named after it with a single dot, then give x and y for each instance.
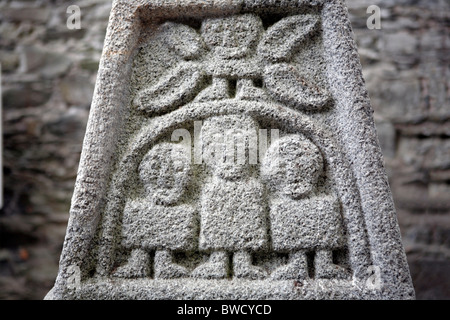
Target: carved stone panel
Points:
(230, 153)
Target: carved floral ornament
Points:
(235, 48)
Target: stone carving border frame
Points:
(358, 144)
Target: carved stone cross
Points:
(231, 153)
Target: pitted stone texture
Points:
(137, 266)
(153, 226)
(182, 39)
(285, 83)
(165, 268)
(232, 41)
(238, 220)
(216, 267)
(173, 90)
(292, 166)
(286, 36)
(309, 223)
(235, 48)
(229, 146)
(301, 218)
(233, 214)
(166, 173)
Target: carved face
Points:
(165, 171)
(228, 142)
(234, 36)
(292, 166)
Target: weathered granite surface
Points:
(235, 66)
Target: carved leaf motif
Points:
(282, 38)
(284, 83)
(182, 39)
(179, 86)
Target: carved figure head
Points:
(292, 166)
(165, 171)
(232, 37)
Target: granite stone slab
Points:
(231, 153)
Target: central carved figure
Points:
(232, 43)
(233, 216)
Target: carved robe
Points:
(236, 222)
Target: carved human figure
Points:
(302, 218)
(232, 43)
(157, 221)
(233, 219)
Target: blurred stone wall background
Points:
(48, 79)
